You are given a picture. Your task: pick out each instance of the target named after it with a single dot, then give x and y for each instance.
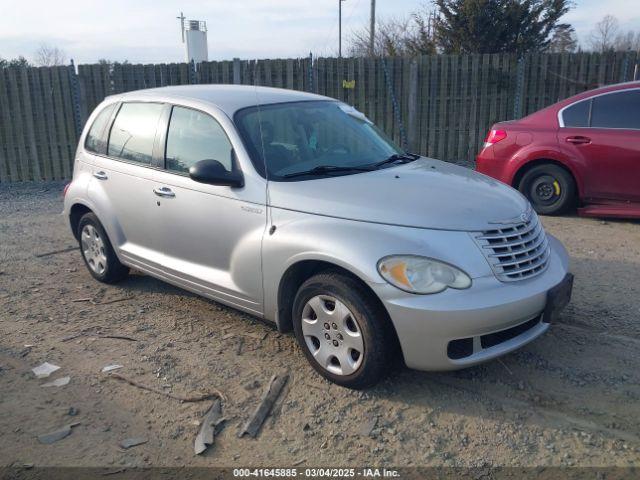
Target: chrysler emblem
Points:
(523, 217)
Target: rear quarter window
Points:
(577, 115)
(96, 138)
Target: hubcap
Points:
(332, 335)
(93, 249)
(545, 190)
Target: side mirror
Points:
(212, 172)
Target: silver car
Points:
(296, 208)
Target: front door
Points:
(211, 235)
(608, 146)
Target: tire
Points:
(550, 189)
(364, 319)
(97, 251)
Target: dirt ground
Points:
(569, 398)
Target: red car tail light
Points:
(494, 136)
(64, 192)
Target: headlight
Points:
(422, 275)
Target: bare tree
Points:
(564, 40)
(49, 56)
(628, 40)
(602, 38)
(395, 37)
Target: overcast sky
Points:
(146, 31)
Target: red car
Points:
(581, 152)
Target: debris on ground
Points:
(252, 385)
(55, 252)
(212, 419)
(269, 397)
(44, 370)
(195, 398)
(72, 412)
(254, 335)
(56, 435)
(60, 382)
(133, 442)
(239, 346)
(368, 426)
(117, 337)
(114, 300)
(110, 368)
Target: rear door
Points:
(211, 235)
(603, 135)
(123, 181)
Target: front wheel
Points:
(550, 189)
(344, 333)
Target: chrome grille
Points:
(515, 251)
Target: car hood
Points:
(425, 193)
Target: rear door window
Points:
(195, 136)
(617, 110)
(577, 115)
(96, 138)
(134, 131)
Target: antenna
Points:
(182, 19)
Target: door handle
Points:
(164, 192)
(578, 140)
(100, 175)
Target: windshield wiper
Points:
(322, 169)
(407, 157)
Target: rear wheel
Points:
(344, 333)
(97, 251)
(550, 189)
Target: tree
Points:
(494, 26)
(14, 62)
(564, 40)
(395, 36)
(629, 40)
(105, 61)
(48, 56)
(602, 37)
(422, 40)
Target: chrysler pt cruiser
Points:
(296, 208)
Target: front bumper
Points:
(426, 324)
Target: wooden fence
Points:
(440, 106)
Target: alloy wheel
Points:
(93, 249)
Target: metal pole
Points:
(372, 28)
(339, 28)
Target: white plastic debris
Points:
(110, 368)
(44, 370)
(60, 382)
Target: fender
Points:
(354, 246)
(73, 197)
(532, 153)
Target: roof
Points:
(600, 90)
(228, 98)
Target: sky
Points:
(147, 31)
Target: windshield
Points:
(293, 138)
